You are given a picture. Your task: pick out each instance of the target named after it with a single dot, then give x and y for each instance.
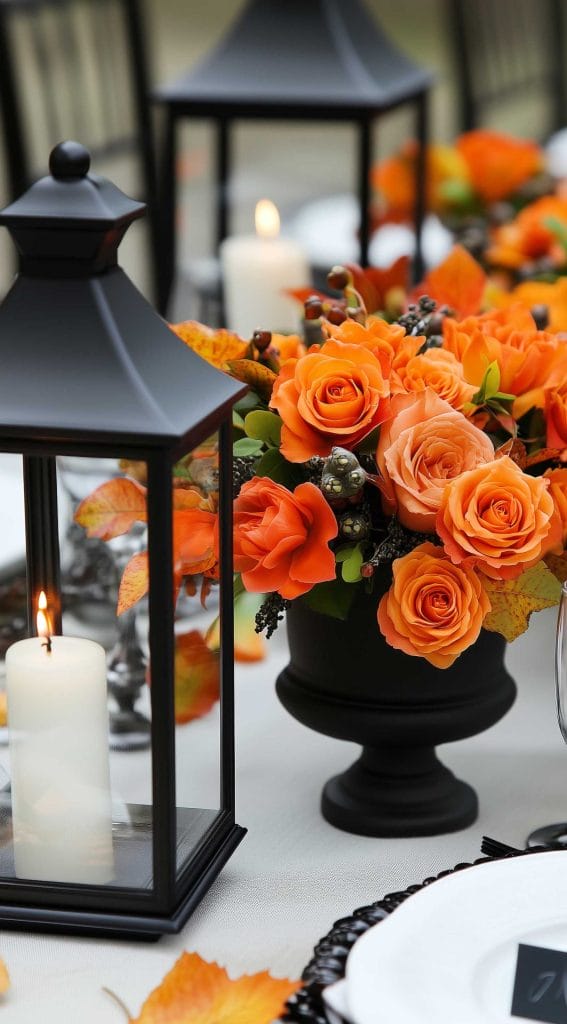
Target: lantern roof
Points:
(294, 57)
(84, 358)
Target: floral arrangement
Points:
(419, 461)
(467, 179)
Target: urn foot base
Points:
(398, 792)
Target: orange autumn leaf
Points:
(259, 377)
(3, 710)
(187, 497)
(197, 992)
(215, 346)
(4, 978)
(379, 286)
(195, 544)
(134, 583)
(458, 282)
(112, 509)
(197, 677)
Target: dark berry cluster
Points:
(243, 469)
(271, 613)
(398, 541)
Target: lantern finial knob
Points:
(69, 160)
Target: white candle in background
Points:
(256, 271)
(58, 731)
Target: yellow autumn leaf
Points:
(513, 601)
(112, 509)
(259, 377)
(198, 992)
(4, 978)
(557, 564)
(134, 583)
(215, 346)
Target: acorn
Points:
(313, 307)
(262, 340)
(339, 278)
(336, 315)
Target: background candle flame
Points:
(267, 219)
(42, 620)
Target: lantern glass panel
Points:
(197, 644)
(79, 755)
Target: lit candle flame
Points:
(43, 622)
(267, 219)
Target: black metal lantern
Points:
(89, 370)
(314, 60)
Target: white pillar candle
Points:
(256, 271)
(58, 730)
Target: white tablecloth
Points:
(294, 875)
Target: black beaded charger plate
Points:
(328, 962)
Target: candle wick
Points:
(46, 642)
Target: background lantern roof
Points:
(320, 56)
(83, 357)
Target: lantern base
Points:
(123, 925)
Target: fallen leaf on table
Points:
(197, 992)
(4, 978)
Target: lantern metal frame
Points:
(67, 228)
(292, 60)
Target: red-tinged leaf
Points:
(112, 509)
(513, 601)
(544, 455)
(506, 421)
(302, 294)
(377, 285)
(458, 282)
(515, 450)
(258, 377)
(134, 583)
(197, 992)
(197, 677)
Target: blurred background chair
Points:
(79, 69)
(507, 52)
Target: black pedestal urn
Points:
(345, 681)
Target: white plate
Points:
(448, 954)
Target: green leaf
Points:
(264, 426)
(246, 446)
(333, 598)
(273, 465)
(237, 420)
(369, 444)
(490, 385)
(248, 402)
(351, 559)
(513, 601)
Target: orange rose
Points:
(556, 416)
(497, 518)
(558, 490)
(439, 370)
(425, 445)
(526, 357)
(334, 396)
(498, 164)
(389, 342)
(433, 609)
(281, 540)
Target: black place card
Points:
(540, 985)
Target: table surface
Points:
(294, 874)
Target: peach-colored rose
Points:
(440, 370)
(433, 609)
(281, 539)
(558, 490)
(497, 518)
(556, 416)
(424, 446)
(334, 396)
(527, 358)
